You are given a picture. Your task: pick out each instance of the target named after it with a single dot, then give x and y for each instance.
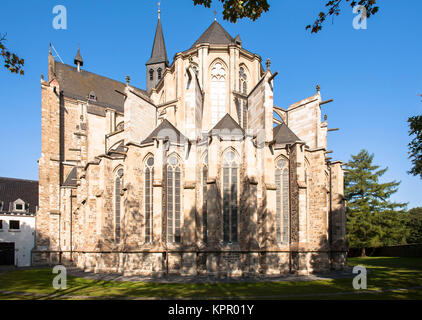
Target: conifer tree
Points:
(372, 219)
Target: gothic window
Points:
(243, 88)
(118, 183)
(151, 74)
(218, 93)
(282, 200)
(149, 178)
(173, 199)
(204, 199)
(159, 71)
(230, 197)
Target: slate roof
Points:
(165, 130)
(78, 85)
(227, 125)
(12, 189)
(159, 52)
(71, 179)
(282, 135)
(215, 34)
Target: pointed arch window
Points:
(173, 199)
(230, 197)
(149, 178)
(118, 183)
(204, 199)
(151, 74)
(159, 72)
(282, 199)
(218, 93)
(243, 88)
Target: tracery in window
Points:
(218, 93)
(149, 178)
(282, 200)
(118, 183)
(173, 199)
(230, 197)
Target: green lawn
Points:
(384, 274)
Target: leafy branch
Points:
(11, 61)
(333, 9)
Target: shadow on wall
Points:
(256, 234)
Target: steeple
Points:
(78, 60)
(158, 61)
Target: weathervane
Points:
(159, 10)
(215, 15)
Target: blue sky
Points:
(373, 75)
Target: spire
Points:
(78, 60)
(51, 65)
(159, 53)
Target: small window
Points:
(1, 205)
(1, 224)
(19, 207)
(92, 96)
(159, 73)
(151, 74)
(14, 225)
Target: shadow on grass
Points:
(384, 273)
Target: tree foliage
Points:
(334, 9)
(372, 219)
(414, 224)
(11, 61)
(415, 146)
(234, 10)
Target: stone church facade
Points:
(194, 175)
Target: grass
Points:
(383, 274)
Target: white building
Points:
(18, 205)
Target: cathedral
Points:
(197, 174)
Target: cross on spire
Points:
(215, 15)
(159, 10)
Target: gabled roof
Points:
(165, 130)
(282, 134)
(71, 178)
(159, 52)
(78, 85)
(227, 125)
(215, 34)
(12, 189)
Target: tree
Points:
(234, 10)
(11, 61)
(372, 220)
(414, 224)
(333, 9)
(415, 146)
